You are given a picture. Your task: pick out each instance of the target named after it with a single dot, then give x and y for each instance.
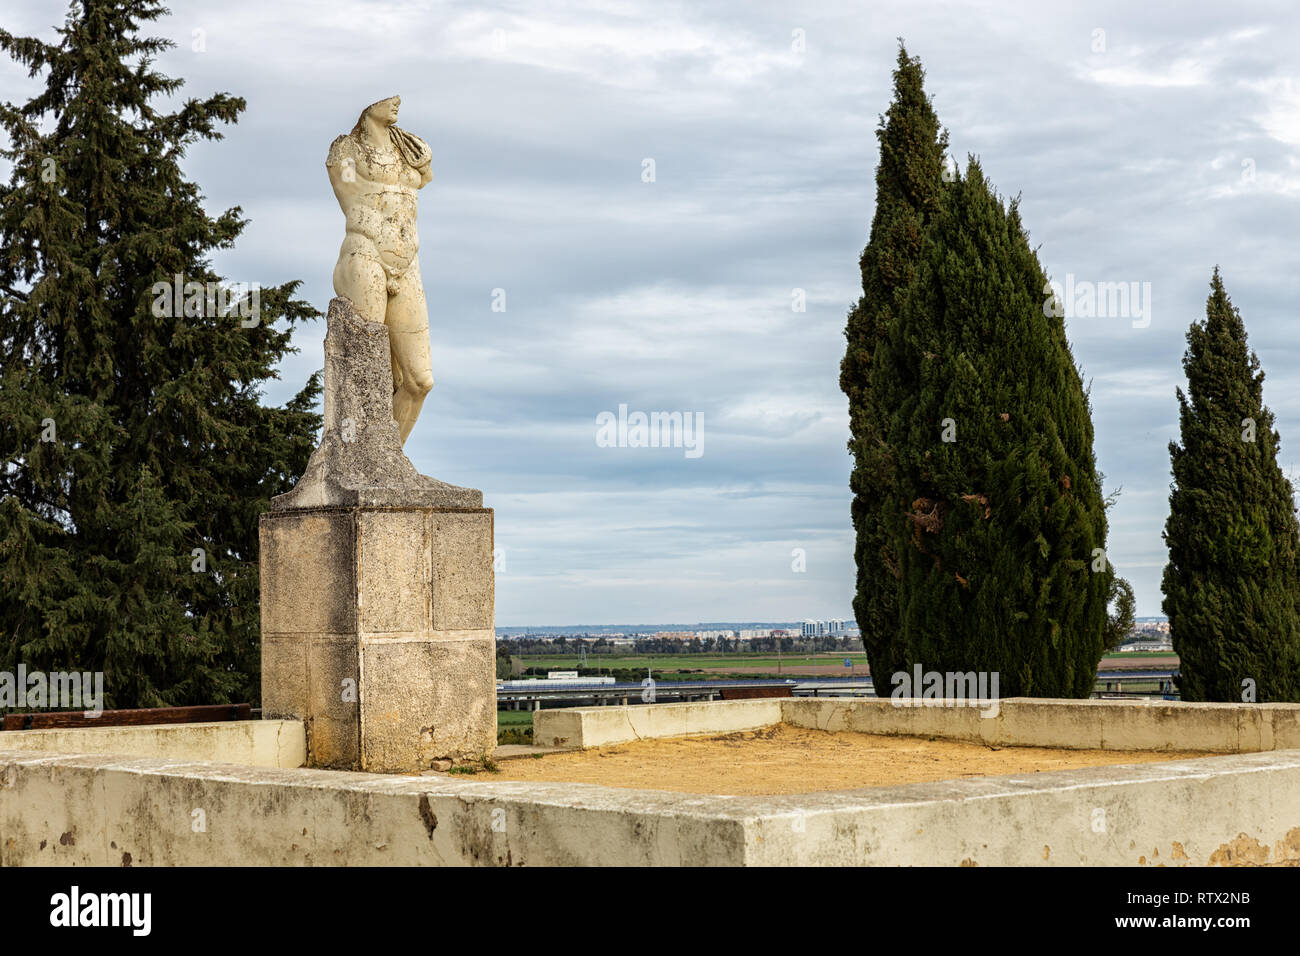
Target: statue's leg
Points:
(359, 276)
(408, 335)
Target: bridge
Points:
(574, 693)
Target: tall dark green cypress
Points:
(1232, 585)
(996, 511)
(912, 148)
(138, 452)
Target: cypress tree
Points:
(1231, 584)
(995, 511)
(138, 451)
(908, 179)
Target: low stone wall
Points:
(88, 810)
(1016, 721)
(580, 727)
(1070, 724)
(253, 743)
(93, 811)
(1213, 811)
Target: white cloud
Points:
(1179, 73)
(1281, 115)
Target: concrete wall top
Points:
(579, 727)
(1016, 721)
(1070, 724)
(256, 743)
(93, 810)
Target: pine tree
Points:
(1232, 584)
(908, 179)
(995, 511)
(138, 452)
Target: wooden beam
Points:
(200, 713)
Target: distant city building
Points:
(1148, 636)
(1138, 646)
(833, 628)
(530, 683)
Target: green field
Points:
(770, 662)
(670, 662)
(514, 718)
(514, 727)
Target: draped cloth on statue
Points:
(414, 150)
(410, 147)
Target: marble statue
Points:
(377, 170)
(378, 368)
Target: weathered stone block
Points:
(1284, 725)
(468, 709)
(426, 701)
(307, 572)
(463, 589)
(333, 721)
(394, 573)
(284, 676)
(360, 461)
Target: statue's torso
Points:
(381, 214)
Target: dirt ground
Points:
(784, 759)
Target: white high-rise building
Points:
(833, 628)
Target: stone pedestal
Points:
(377, 632)
(377, 587)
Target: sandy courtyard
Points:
(784, 759)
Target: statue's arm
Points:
(341, 164)
(351, 188)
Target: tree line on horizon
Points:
(978, 510)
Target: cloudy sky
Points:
(1148, 144)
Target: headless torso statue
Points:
(376, 171)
